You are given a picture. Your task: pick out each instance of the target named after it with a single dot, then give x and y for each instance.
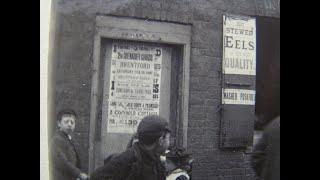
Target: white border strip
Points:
(45, 7)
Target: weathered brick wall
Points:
(72, 58)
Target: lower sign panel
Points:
(238, 96)
(237, 124)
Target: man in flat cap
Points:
(142, 160)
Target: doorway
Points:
(138, 79)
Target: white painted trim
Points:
(94, 104)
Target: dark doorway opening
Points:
(268, 71)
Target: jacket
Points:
(266, 157)
(64, 159)
(135, 163)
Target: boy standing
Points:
(65, 164)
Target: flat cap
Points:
(153, 125)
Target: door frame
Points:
(125, 28)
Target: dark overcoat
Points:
(64, 160)
(266, 157)
(135, 163)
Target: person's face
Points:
(164, 142)
(67, 123)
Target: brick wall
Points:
(72, 58)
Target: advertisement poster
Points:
(238, 96)
(239, 45)
(134, 90)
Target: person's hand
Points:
(83, 176)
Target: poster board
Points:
(134, 88)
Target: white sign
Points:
(134, 90)
(238, 96)
(239, 45)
